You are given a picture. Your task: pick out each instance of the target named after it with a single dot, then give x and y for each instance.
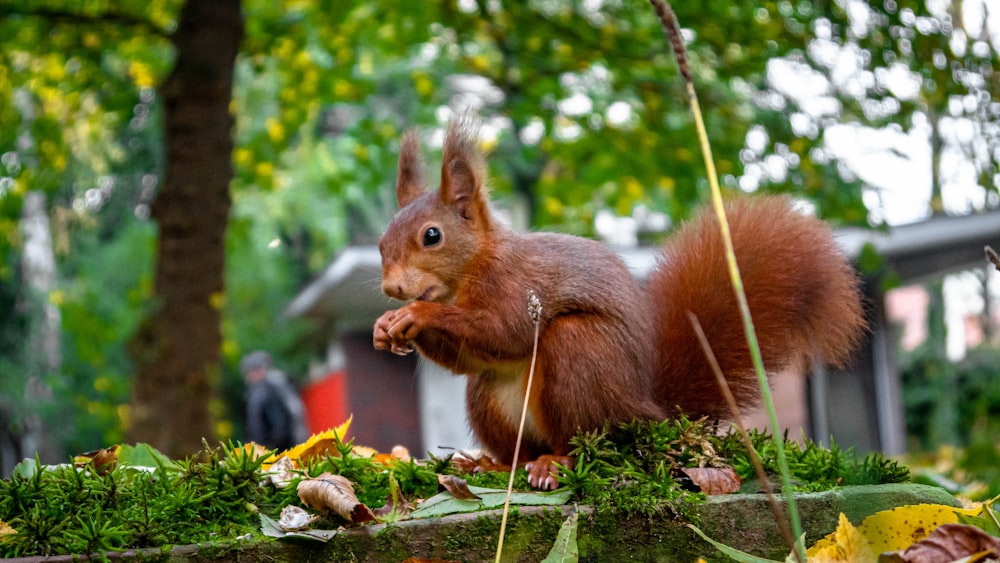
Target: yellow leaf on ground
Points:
(898, 528)
(845, 544)
(316, 446)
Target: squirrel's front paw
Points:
(383, 340)
(405, 325)
(543, 473)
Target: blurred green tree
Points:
(581, 105)
(75, 111)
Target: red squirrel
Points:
(610, 350)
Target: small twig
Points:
(987, 508)
(535, 311)
(991, 255)
(765, 483)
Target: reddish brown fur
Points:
(802, 295)
(603, 357)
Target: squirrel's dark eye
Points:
(432, 236)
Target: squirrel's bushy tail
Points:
(803, 295)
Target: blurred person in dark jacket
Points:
(275, 416)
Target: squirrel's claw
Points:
(543, 473)
(402, 349)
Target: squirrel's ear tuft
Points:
(410, 182)
(463, 171)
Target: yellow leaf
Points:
(893, 530)
(57, 297)
(275, 130)
(265, 169)
(901, 527)
(846, 543)
(423, 83)
(553, 206)
(633, 188)
(667, 184)
(480, 62)
(366, 64)
(342, 89)
(142, 74)
(317, 445)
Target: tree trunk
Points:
(42, 349)
(176, 352)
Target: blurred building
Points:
(402, 400)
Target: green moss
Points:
(631, 472)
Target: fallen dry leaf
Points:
(402, 453)
(104, 460)
(949, 542)
(334, 493)
(713, 480)
(281, 473)
(396, 506)
(255, 450)
(293, 519)
(457, 487)
(398, 453)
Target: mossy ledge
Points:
(742, 521)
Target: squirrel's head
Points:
(431, 241)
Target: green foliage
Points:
(63, 509)
(813, 467)
(324, 89)
(634, 468)
(78, 117)
(219, 493)
(971, 472)
(950, 402)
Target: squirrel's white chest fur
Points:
(508, 392)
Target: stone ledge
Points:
(743, 521)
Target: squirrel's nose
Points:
(393, 290)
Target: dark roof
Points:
(349, 290)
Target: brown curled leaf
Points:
(396, 506)
(104, 460)
(281, 473)
(714, 480)
(949, 542)
(334, 493)
(457, 487)
(991, 255)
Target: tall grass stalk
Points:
(670, 26)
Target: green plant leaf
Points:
(144, 455)
(27, 468)
(565, 549)
(270, 528)
(444, 503)
(734, 554)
